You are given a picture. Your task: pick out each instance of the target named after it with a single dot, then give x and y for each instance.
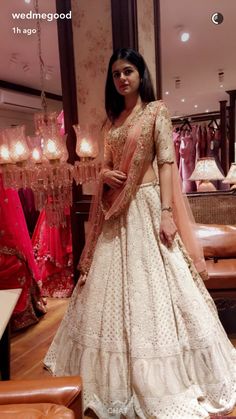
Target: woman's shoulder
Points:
(157, 104)
(157, 108)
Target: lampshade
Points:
(206, 170)
(85, 146)
(4, 149)
(231, 176)
(36, 152)
(18, 146)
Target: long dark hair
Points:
(114, 102)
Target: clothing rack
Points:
(198, 117)
(223, 116)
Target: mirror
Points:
(20, 78)
(20, 88)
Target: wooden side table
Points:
(8, 300)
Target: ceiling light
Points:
(221, 85)
(207, 110)
(184, 36)
(182, 100)
(167, 93)
(27, 1)
(195, 106)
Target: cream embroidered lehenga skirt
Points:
(143, 332)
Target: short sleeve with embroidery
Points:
(163, 136)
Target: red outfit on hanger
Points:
(18, 268)
(53, 252)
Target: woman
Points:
(142, 331)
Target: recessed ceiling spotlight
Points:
(183, 100)
(167, 93)
(195, 106)
(28, 1)
(207, 110)
(221, 85)
(184, 36)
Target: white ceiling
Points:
(25, 47)
(210, 48)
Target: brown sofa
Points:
(51, 397)
(219, 245)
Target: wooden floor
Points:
(29, 347)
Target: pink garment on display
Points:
(18, 268)
(53, 252)
(201, 146)
(187, 159)
(177, 140)
(213, 150)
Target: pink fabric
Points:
(185, 222)
(13, 227)
(116, 196)
(53, 252)
(18, 268)
(187, 159)
(176, 140)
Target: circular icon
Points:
(217, 18)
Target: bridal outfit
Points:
(18, 268)
(143, 331)
(53, 252)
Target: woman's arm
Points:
(165, 157)
(167, 226)
(165, 179)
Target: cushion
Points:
(218, 241)
(35, 411)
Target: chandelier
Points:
(40, 162)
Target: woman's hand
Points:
(204, 275)
(167, 229)
(114, 178)
(82, 279)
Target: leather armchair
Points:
(52, 397)
(219, 245)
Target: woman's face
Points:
(125, 77)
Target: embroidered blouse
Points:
(161, 147)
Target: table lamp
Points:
(231, 176)
(206, 170)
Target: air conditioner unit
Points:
(22, 102)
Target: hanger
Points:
(212, 122)
(186, 123)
